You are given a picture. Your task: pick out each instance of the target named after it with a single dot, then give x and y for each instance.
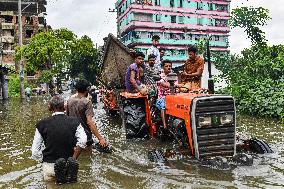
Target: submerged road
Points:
(128, 166)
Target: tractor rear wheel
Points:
(134, 118)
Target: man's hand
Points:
(103, 142)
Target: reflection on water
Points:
(128, 166)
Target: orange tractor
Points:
(202, 123)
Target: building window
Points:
(181, 20)
(199, 5)
(211, 22)
(221, 7)
(172, 3)
(181, 3)
(200, 21)
(143, 17)
(158, 17)
(173, 19)
(210, 6)
(217, 38)
(157, 2)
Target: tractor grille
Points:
(215, 139)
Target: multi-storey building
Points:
(33, 21)
(177, 22)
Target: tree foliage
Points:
(83, 60)
(256, 80)
(56, 53)
(250, 19)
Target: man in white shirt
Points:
(57, 143)
(153, 50)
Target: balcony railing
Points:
(7, 26)
(7, 39)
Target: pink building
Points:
(178, 23)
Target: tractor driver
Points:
(193, 69)
(134, 74)
(164, 89)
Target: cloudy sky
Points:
(92, 18)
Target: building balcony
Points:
(8, 52)
(7, 39)
(7, 26)
(179, 42)
(167, 26)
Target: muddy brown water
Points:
(128, 166)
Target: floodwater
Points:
(128, 166)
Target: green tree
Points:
(256, 80)
(83, 59)
(59, 52)
(250, 19)
(47, 53)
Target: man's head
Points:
(192, 51)
(151, 59)
(162, 52)
(139, 58)
(82, 86)
(167, 66)
(56, 104)
(155, 40)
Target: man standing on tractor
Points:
(151, 72)
(155, 51)
(193, 69)
(164, 89)
(135, 73)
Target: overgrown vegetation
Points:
(255, 78)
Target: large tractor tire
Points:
(133, 116)
(259, 146)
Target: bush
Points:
(14, 85)
(256, 80)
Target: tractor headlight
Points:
(227, 119)
(204, 121)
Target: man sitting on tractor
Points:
(193, 69)
(164, 89)
(152, 74)
(135, 73)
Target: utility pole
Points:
(210, 80)
(2, 69)
(22, 73)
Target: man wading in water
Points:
(79, 106)
(62, 137)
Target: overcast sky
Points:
(92, 18)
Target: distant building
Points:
(178, 23)
(33, 20)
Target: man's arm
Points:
(95, 131)
(36, 146)
(132, 80)
(197, 73)
(199, 70)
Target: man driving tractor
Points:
(193, 69)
